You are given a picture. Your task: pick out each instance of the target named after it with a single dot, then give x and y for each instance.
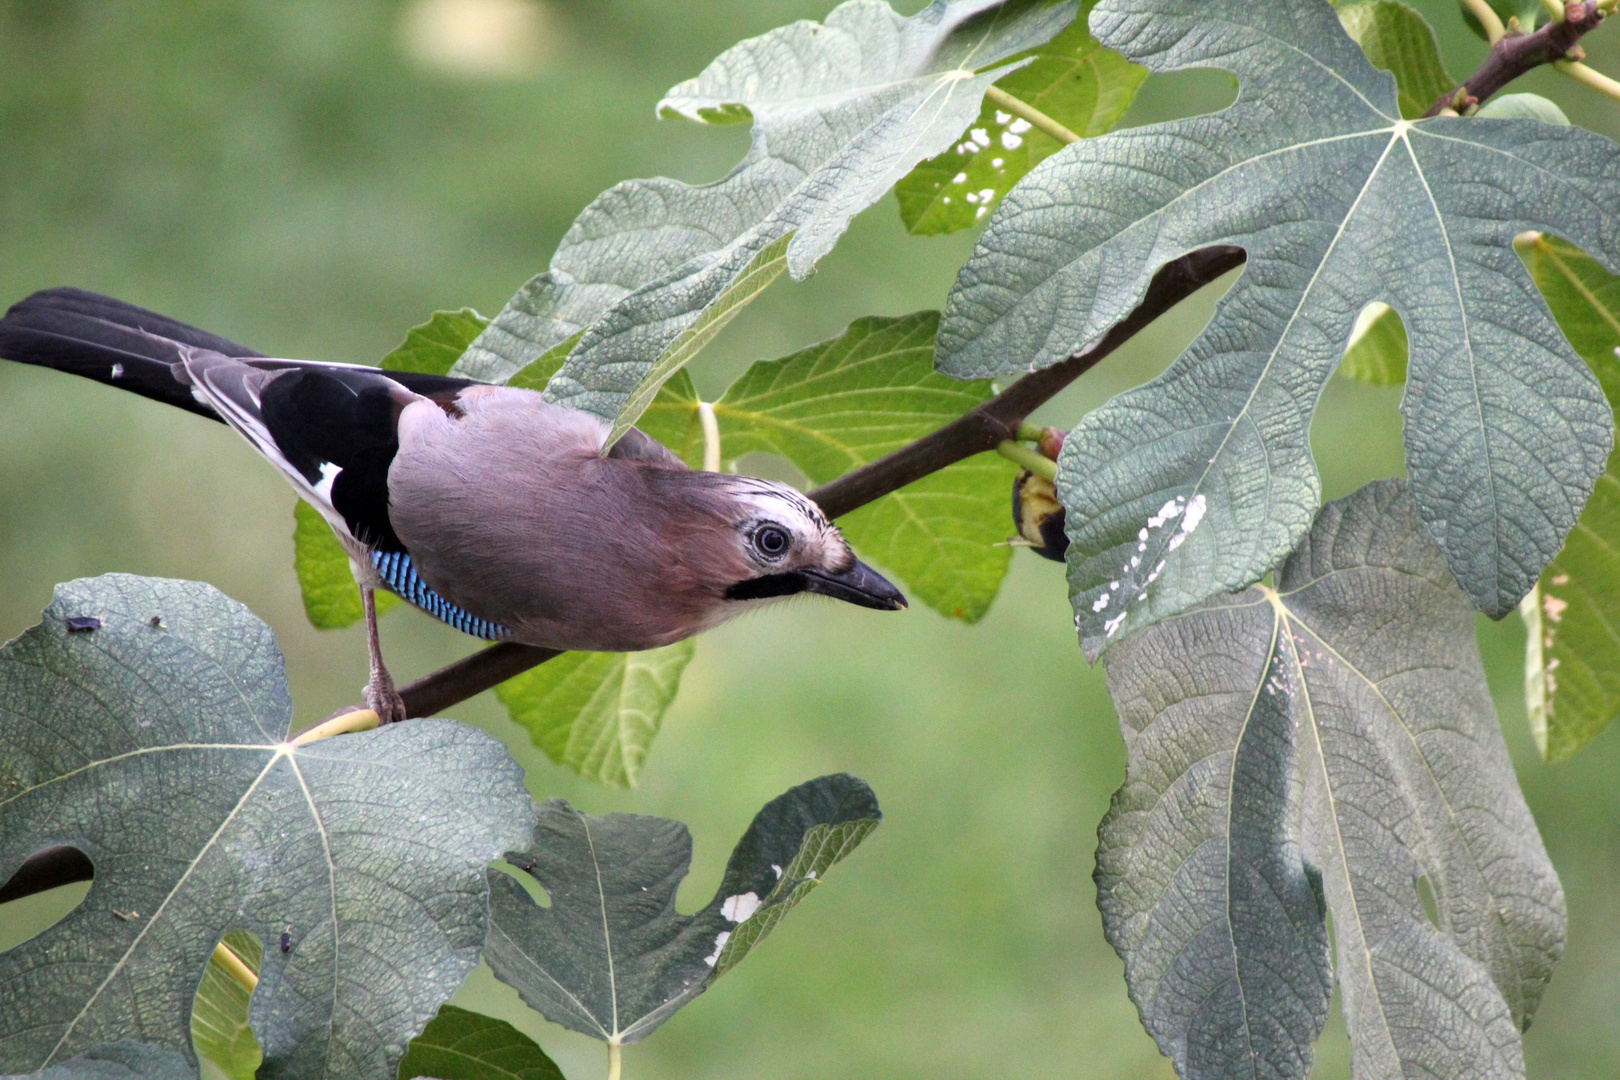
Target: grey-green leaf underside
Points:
(155, 743)
(841, 111)
(1331, 739)
(1338, 202)
(611, 957)
(121, 1060)
(838, 405)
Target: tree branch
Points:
(1513, 54)
(975, 432)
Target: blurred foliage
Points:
(287, 175)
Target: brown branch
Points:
(975, 432)
(982, 427)
(471, 675)
(1513, 54)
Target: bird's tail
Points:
(85, 333)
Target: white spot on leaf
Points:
(1011, 141)
(720, 940)
(738, 908)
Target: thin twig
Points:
(236, 967)
(1595, 79)
(1489, 20)
(1512, 55)
(1028, 458)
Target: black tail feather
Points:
(119, 344)
(85, 333)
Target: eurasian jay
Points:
(484, 506)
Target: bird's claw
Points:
(381, 698)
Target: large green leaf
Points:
(150, 733)
(598, 713)
(121, 1060)
(331, 599)
(1073, 80)
(220, 1032)
(1377, 350)
(610, 956)
(462, 1045)
(840, 404)
(1202, 480)
(1398, 40)
(1332, 739)
(435, 346)
(841, 111)
(1572, 669)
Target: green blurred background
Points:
(314, 178)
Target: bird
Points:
(506, 516)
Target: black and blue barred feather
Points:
(397, 571)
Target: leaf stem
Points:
(1595, 79)
(235, 967)
(615, 1054)
(1555, 9)
(1023, 109)
(1488, 19)
(1033, 460)
(711, 436)
(342, 724)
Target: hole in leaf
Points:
(226, 1049)
(43, 892)
(1426, 897)
(1175, 95)
(536, 891)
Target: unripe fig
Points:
(1038, 515)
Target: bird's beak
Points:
(860, 584)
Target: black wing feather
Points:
(346, 418)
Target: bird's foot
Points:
(381, 698)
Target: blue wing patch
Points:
(397, 571)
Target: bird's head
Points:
(782, 544)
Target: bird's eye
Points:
(771, 540)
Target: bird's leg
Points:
(379, 695)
